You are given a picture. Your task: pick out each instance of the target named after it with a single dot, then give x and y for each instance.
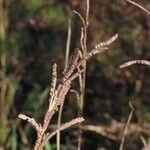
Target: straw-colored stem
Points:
(66, 65)
(139, 6)
(126, 127)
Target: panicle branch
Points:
(132, 62)
(65, 126)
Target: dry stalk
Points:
(58, 92)
(139, 6)
(68, 42)
(145, 143)
(66, 65)
(57, 96)
(82, 76)
(115, 130)
(145, 62)
(126, 127)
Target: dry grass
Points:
(58, 92)
(144, 62)
(75, 68)
(127, 64)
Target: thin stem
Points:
(68, 43)
(82, 77)
(65, 126)
(66, 65)
(139, 6)
(126, 127)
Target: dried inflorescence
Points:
(58, 92)
(132, 62)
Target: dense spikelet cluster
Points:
(106, 43)
(58, 92)
(72, 64)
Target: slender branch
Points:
(126, 127)
(82, 76)
(139, 6)
(66, 65)
(68, 42)
(31, 120)
(80, 16)
(87, 12)
(66, 125)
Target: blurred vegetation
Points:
(33, 36)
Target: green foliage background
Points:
(33, 36)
